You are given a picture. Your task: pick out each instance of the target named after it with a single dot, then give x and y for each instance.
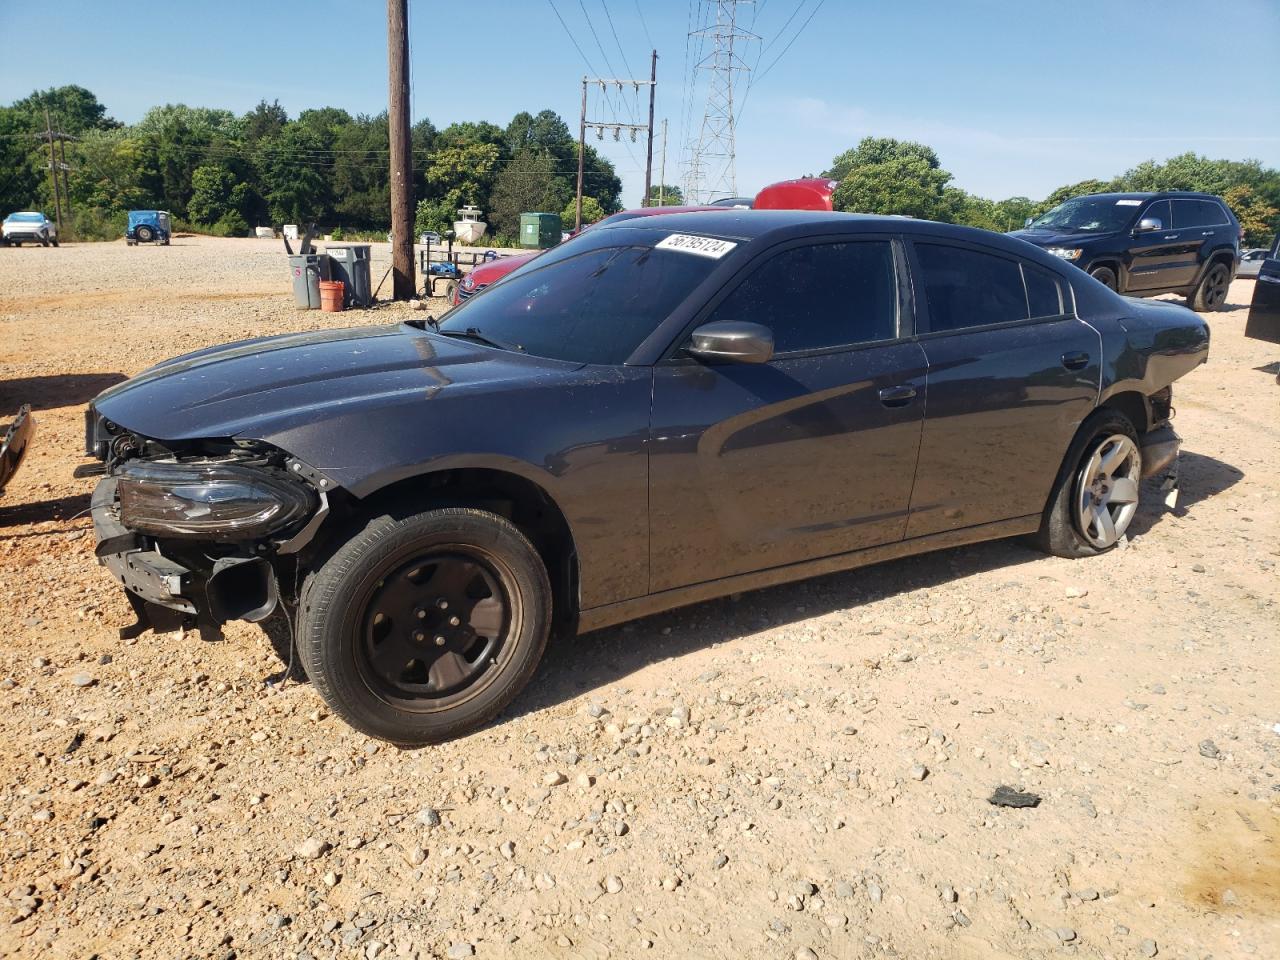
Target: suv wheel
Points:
(1096, 495)
(1212, 293)
(1105, 276)
(423, 626)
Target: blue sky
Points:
(1018, 97)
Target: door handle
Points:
(1170, 236)
(1207, 233)
(1076, 360)
(898, 396)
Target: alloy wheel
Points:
(1216, 285)
(1107, 491)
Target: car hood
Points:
(256, 389)
(1054, 238)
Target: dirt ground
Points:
(798, 772)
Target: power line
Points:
(572, 38)
(644, 26)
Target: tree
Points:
(887, 176)
(73, 108)
(265, 121)
(666, 195)
(592, 212)
(212, 185)
(527, 184)
(1258, 219)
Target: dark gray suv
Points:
(1146, 244)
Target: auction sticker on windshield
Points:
(1128, 203)
(702, 246)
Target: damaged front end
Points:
(197, 532)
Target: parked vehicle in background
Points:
(740, 202)
(148, 226)
(29, 227)
(1251, 261)
(805, 193)
(1146, 244)
(662, 411)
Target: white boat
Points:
(469, 228)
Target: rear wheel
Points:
(1097, 491)
(1105, 276)
(423, 626)
(144, 234)
(1211, 294)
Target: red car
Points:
(809, 193)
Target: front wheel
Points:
(1211, 294)
(1105, 276)
(54, 241)
(423, 626)
(1096, 494)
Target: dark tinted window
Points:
(1197, 213)
(1043, 297)
(1159, 211)
(826, 295)
(596, 307)
(966, 288)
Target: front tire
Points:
(1097, 491)
(1211, 294)
(1107, 277)
(422, 627)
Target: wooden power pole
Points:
(53, 172)
(403, 284)
(582, 154)
(648, 161)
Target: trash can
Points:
(539, 231)
(308, 269)
(349, 262)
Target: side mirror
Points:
(731, 341)
(1027, 222)
(1149, 224)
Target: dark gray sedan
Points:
(666, 410)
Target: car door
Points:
(1011, 371)
(1152, 253)
(1197, 224)
(812, 454)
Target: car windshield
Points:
(26, 217)
(595, 307)
(1088, 215)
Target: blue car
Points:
(148, 226)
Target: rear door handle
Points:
(898, 396)
(1170, 236)
(1075, 361)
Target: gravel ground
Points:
(799, 772)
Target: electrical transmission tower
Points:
(712, 171)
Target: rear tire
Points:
(144, 234)
(1211, 294)
(1107, 277)
(1081, 491)
(423, 626)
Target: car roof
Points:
(780, 225)
(1151, 195)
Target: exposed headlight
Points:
(1066, 253)
(213, 501)
(468, 283)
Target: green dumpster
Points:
(538, 231)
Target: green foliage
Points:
(1258, 219)
(665, 195)
(887, 176)
(528, 184)
(592, 212)
(96, 224)
(337, 234)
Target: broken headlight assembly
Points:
(208, 500)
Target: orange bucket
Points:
(331, 295)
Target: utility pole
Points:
(582, 155)
(617, 126)
(62, 160)
(53, 172)
(403, 284)
(648, 160)
(716, 136)
(662, 175)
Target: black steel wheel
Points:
(423, 626)
(1212, 293)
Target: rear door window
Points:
(820, 296)
(1197, 213)
(969, 288)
